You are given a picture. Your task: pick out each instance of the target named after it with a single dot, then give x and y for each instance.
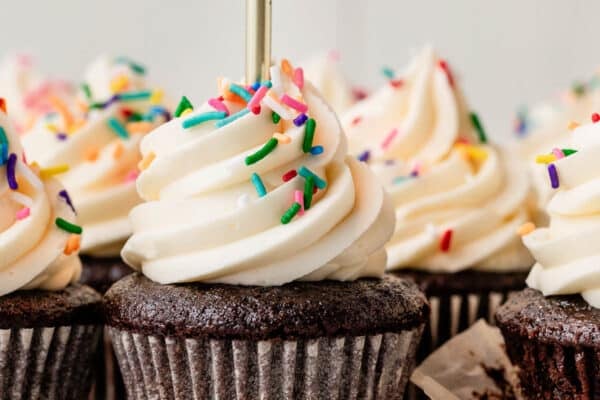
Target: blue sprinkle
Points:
(118, 128)
(221, 123)
(364, 156)
(203, 117)
(132, 96)
(258, 184)
(388, 72)
(255, 86)
(3, 153)
(316, 150)
(305, 173)
(300, 119)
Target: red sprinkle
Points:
(396, 83)
(289, 175)
(595, 117)
(444, 65)
(356, 120)
(445, 241)
(256, 110)
(315, 189)
(126, 113)
(359, 93)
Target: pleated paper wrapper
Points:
(48, 363)
(471, 365)
(351, 367)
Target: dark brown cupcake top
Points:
(566, 320)
(295, 310)
(75, 305)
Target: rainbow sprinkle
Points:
(306, 173)
(134, 66)
(309, 185)
(184, 104)
(218, 105)
(55, 170)
(133, 96)
(299, 78)
(11, 171)
(118, 128)
(257, 98)
(23, 213)
(293, 103)
(225, 121)
(258, 185)
(478, 127)
(263, 152)
(553, 174)
(388, 72)
(3, 147)
(300, 119)
(299, 198)
(291, 174)
(67, 226)
(282, 138)
(275, 117)
(364, 156)
(203, 117)
(316, 150)
(240, 91)
(389, 138)
(290, 213)
(446, 240)
(309, 134)
(65, 195)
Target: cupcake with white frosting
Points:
(560, 313)
(49, 325)
(260, 251)
(459, 200)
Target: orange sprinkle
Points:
(234, 98)
(286, 67)
(3, 104)
(119, 149)
(572, 125)
(91, 154)
(146, 161)
(63, 110)
(281, 138)
(526, 229)
(73, 244)
(139, 127)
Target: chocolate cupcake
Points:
(95, 138)
(552, 331)
(262, 247)
(49, 326)
(459, 200)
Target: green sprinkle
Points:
(276, 117)
(97, 105)
(262, 153)
(290, 213)
(135, 67)
(87, 91)
(67, 226)
(309, 185)
(388, 72)
(258, 185)
(3, 138)
(309, 134)
(135, 117)
(132, 96)
(568, 152)
(240, 91)
(477, 125)
(578, 89)
(184, 104)
(118, 128)
(200, 118)
(305, 173)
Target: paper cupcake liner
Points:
(548, 370)
(108, 381)
(350, 367)
(49, 363)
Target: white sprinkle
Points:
(29, 176)
(276, 84)
(283, 112)
(22, 199)
(243, 200)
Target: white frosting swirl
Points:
(204, 221)
(465, 206)
(102, 163)
(326, 75)
(32, 248)
(568, 251)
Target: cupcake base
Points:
(555, 342)
(47, 342)
(302, 340)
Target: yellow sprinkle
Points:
(572, 125)
(281, 138)
(58, 169)
(52, 127)
(146, 161)
(545, 158)
(119, 83)
(139, 127)
(472, 152)
(526, 229)
(119, 149)
(73, 244)
(91, 154)
(185, 112)
(157, 97)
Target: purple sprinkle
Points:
(390, 162)
(414, 173)
(300, 119)
(63, 193)
(112, 100)
(364, 156)
(61, 136)
(553, 176)
(10, 171)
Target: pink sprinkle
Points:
(334, 55)
(386, 142)
(23, 213)
(257, 98)
(299, 198)
(299, 78)
(132, 175)
(293, 103)
(217, 104)
(558, 153)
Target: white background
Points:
(507, 52)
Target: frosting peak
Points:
(458, 199)
(38, 240)
(568, 251)
(261, 197)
